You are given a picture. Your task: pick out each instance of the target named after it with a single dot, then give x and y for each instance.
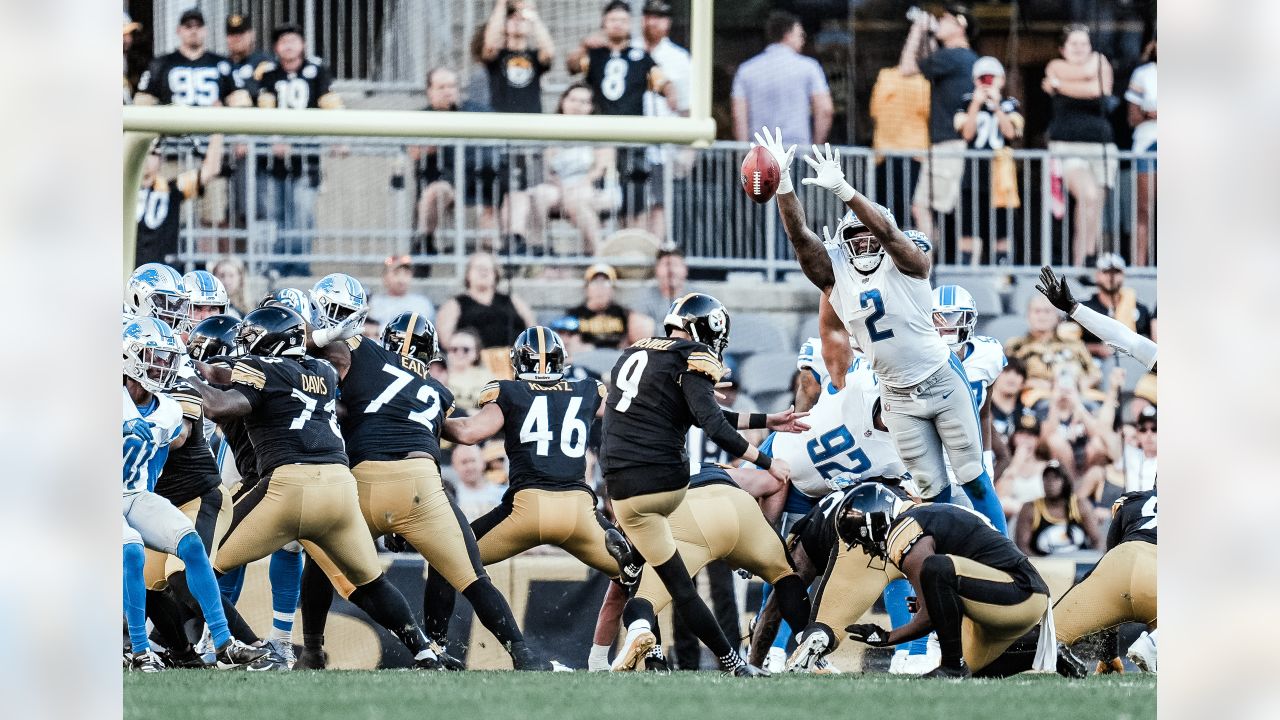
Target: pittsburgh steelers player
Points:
(877, 278)
(1109, 330)
(661, 387)
(545, 421)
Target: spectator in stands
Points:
(499, 318)
(673, 60)
(516, 65)
(1140, 457)
(467, 374)
(1048, 344)
(670, 271)
(396, 296)
(1006, 397)
(989, 121)
(483, 169)
(900, 110)
(938, 48)
(231, 271)
(474, 495)
(782, 88)
(160, 199)
(191, 75)
(1069, 420)
(567, 328)
(1056, 522)
(494, 453)
(1114, 300)
(1141, 97)
(602, 322)
(131, 28)
(1020, 482)
(1080, 137)
(620, 74)
(291, 174)
(580, 183)
(247, 62)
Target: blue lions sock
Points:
(944, 496)
(895, 603)
(204, 587)
(135, 597)
(231, 584)
(286, 583)
(983, 496)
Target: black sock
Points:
(236, 623)
(437, 606)
(793, 600)
(384, 603)
(638, 609)
(685, 599)
(493, 611)
(946, 611)
(315, 598)
(165, 614)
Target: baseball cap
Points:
(287, 28)
(191, 15)
(237, 23)
(988, 66)
(616, 5)
(600, 269)
(566, 324)
(1148, 415)
(1110, 261)
(657, 7)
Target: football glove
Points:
(781, 155)
(396, 543)
(827, 172)
(1055, 288)
(868, 633)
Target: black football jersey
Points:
(159, 213)
(960, 531)
(393, 405)
(546, 427)
(620, 78)
(250, 70)
(191, 470)
(710, 474)
(294, 401)
(176, 79)
(816, 531)
(236, 436)
(1133, 518)
(305, 88)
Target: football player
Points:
(661, 387)
(1109, 330)
(394, 414)
(545, 421)
(876, 277)
(306, 492)
(153, 426)
(207, 294)
(156, 290)
(1122, 586)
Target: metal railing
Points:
(344, 202)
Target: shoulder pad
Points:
(705, 363)
(189, 400)
(902, 537)
(489, 393)
(248, 373)
(354, 342)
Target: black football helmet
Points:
(703, 317)
(412, 334)
(538, 355)
(213, 336)
(273, 331)
(864, 517)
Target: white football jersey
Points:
(145, 436)
(983, 362)
(810, 358)
(841, 439)
(889, 317)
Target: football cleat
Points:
(284, 650)
(897, 661)
(825, 667)
(776, 660)
(918, 664)
(748, 670)
(147, 662)
(1106, 667)
(311, 660)
(640, 640)
(447, 661)
(1143, 652)
(186, 658)
(557, 666)
(948, 672)
(812, 646)
(236, 654)
(429, 661)
(205, 648)
(656, 663)
(1070, 666)
(620, 550)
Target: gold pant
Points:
(407, 497)
(720, 522)
(211, 524)
(644, 519)
(989, 626)
(1121, 588)
(852, 583)
(315, 504)
(563, 518)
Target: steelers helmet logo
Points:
(716, 320)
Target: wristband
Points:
(784, 183)
(730, 417)
(758, 421)
(762, 461)
(844, 191)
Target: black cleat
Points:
(949, 672)
(656, 664)
(1070, 666)
(522, 658)
(620, 550)
(186, 658)
(447, 661)
(147, 662)
(748, 670)
(311, 660)
(236, 654)
(428, 662)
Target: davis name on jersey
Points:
(889, 317)
(983, 361)
(147, 434)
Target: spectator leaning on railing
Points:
(516, 65)
(191, 75)
(1141, 97)
(159, 208)
(988, 120)
(780, 88)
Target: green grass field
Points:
(391, 695)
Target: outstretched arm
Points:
(810, 251)
(476, 428)
(1109, 330)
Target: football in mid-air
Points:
(760, 175)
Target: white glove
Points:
(348, 328)
(827, 172)
(773, 143)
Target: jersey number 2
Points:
(872, 297)
(426, 394)
(537, 429)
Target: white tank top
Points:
(889, 317)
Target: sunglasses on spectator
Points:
(1147, 429)
(462, 349)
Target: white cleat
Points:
(825, 667)
(776, 660)
(1143, 652)
(896, 662)
(918, 664)
(809, 651)
(557, 666)
(640, 640)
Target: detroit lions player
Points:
(156, 290)
(337, 296)
(876, 278)
(208, 296)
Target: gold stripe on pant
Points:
(1121, 588)
(315, 504)
(720, 522)
(989, 628)
(850, 587)
(162, 565)
(563, 518)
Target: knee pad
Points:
(963, 448)
(938, 569)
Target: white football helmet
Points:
(156, 290)
(954, 314)
(865, 252)
(206, 290)
(337, 296)
(152, 353)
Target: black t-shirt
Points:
(987, 135)
(1079, 120)
(1142, 324)
(159, 214)
(483, 165)
(963, 532)
(661, 388)
(498, 323)
(309, 87)
(1134, 519)
(293, 419)
(949, 71)
(248, 71)
(620, 78)
(546, 427)
(393, 405)
(177, 80)
(191, 470)
(515, 81)
(605, 328)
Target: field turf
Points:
(392, 695)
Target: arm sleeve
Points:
(739, 86)
(699, 394)
(1114, 532)
(1116, 334)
